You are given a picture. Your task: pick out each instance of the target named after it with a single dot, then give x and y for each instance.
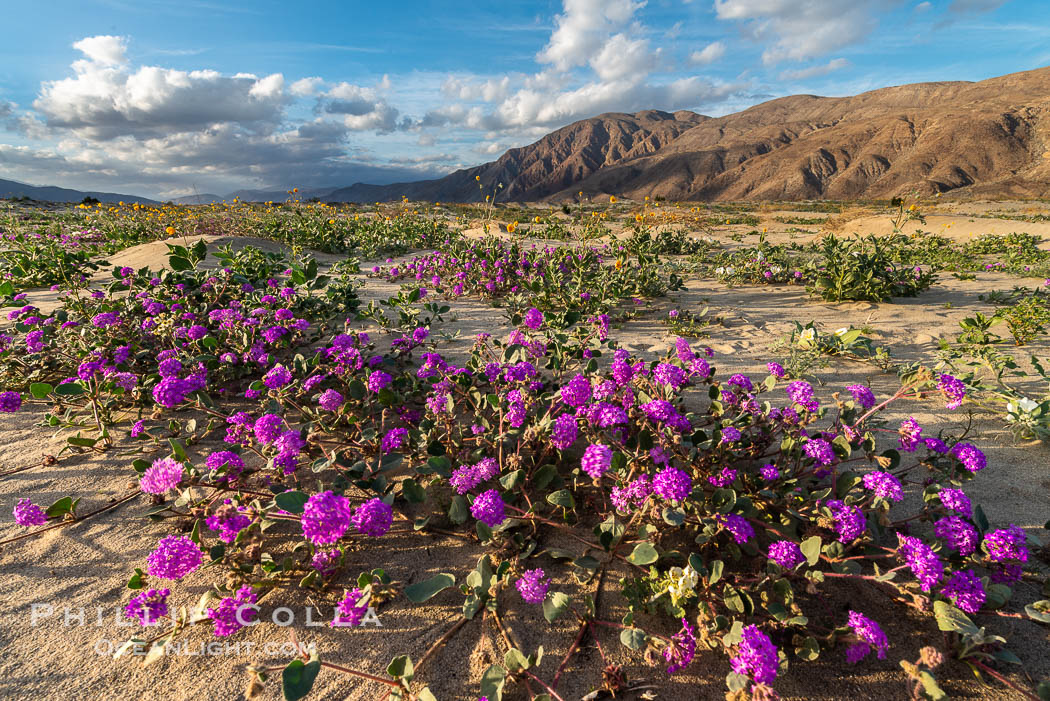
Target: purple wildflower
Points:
(175, 557)
(965, 590)
(326, 516)
(672, 484)
(163, 475)
(10, 402)
(148, 607)
(756, 656)
(564, 432)
(28, 514)
(234, 612)
(954, 390)
(870, 636)
(682, 648)
(786, 553)
(597, 459)
(533, 585)
(1006, 544)
(488, 508)
(863, 395)
(330, 400)
(957, 533)
(373, 518)
(884, 485)
(351, 610)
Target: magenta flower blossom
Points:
(1006, 544)
(378, 380)
(351, 610)
(756, 656)
(957, 533)
(577, 391)
(682, 648)
(884, 485)
(175, 557)
(160, 477)
(597, 459)
(820, 450)
(565, 431)
(534, 318)
(970, 456)
(267, 428)
(849, 520)
(910, 434)
(955, 500)
(488, 508)
(277, 377)
(373, 518)
(730, 434)
(148, 607)
(923, 561)
(10, 402)
(326, 517)
(786, 553)
(870, 635)
(954, 390)
(965, 590)
(394, 439)
(738, 527)
(330, 400)
(801, 393)
(776, 370)
(533, 586)
(234, 612)
(672, 484)
(27, 514)
(863, 395)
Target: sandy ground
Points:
(86, 565)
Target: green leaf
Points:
(178, 449)
(458, 511)
(514, 661)
(298, 677)
(40, 390)
(428, 588)
(60, 508)
(136, 579)
(633, 638)
(951, 619)
(292, 501)
(82, 442)
(180, 263)
(401, 667)
(811, 549)
(643, 554)
(554, 606)
(512, 480)
(413, 491)
(809, 650)
(1039, 610)
(717, 567)
(562, 498)
(492, 682)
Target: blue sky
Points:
(167, 98)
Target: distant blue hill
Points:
(11, 189)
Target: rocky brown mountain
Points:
(989, 139)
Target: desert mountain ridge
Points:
(983, 139)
